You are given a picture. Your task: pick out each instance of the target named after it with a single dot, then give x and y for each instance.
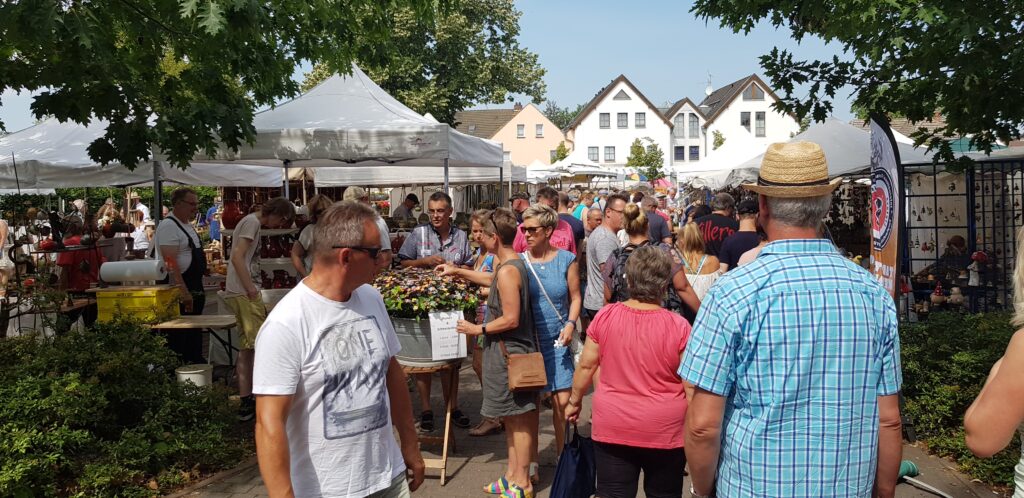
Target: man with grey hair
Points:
(718, 225)
(328, 387)
(801, 348)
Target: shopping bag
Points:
(576, 473)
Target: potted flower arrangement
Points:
(410, 295)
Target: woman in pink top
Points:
(640, 403)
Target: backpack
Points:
(620, 292)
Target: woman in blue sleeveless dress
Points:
(556, 302)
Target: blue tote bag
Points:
(576, 472)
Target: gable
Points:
(622, 96)
(603, 94)
(720, 99)
(530, 115)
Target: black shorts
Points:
(619, 466)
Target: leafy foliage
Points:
(561, 116)
(182, 76)
(945, 363)
(718, 140)
(463, 54)
(963, 59)
(414, 293)
(648, 161)
(561, 152)
(98, 413)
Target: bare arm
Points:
(239, 247)
(723, 267)
(508, 286)
(685, 291)
(170, 255)
(704, 438)
(401, 418)
(298, 252)
(575, 304)
(272, 444)
(590, 360)
(427, 262)
(481, 278)
(890, 446)
(999, 408)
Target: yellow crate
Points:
(143, 304)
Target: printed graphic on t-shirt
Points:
(355, 368)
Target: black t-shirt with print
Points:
(737, 244)
(715, 228)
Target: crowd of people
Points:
(735, 343)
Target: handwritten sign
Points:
(445, 342)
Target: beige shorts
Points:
(250, 314)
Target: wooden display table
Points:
(209, 324)
(452, 370)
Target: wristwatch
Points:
(483, 329)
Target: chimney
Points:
(518, 107)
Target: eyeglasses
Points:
(620, 211)
(373, 252)
(530, 230)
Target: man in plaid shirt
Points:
(795, 358)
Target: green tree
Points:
(718, 140)
(183, 76)
(646, 160)
(909, 59)
(561, 116)
(561, 152)
(462, 55)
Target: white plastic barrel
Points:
(200, 374)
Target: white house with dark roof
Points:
(741, 110)
(607, 126)
(687, 140)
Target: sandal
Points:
(487, 426)
(514, 491)
(460, 420)
(497, 487)
(534, 472)
(427, 421)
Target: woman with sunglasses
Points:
(556, 302)
(509, 326)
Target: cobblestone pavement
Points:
(479, 460)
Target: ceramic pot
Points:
(232, 215)
(414, 336)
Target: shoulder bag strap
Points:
(536, 338)
(700, 266)
(529, 264)
(191, 245)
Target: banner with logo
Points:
(886, 205)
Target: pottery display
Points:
(956, 297)
(232, 214)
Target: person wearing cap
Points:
(520, 202)
(404, 210)
(139, 207)
(361, 195)
(743, 240)
(801, 348)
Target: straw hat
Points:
(792, 170)
(135, 195)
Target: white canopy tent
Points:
(52, 154)
(847, 149)
(349, 121)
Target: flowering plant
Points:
(414, 293)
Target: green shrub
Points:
(946, 360)
(99, 413)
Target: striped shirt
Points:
(801, 342)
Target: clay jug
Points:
(232, 215)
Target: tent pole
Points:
(286, 193)
(446, 175)
(501, 184)
(158, 201)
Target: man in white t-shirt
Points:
(328, 387)
(139, 207)
(242, 290)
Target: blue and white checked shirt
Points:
(802, 342)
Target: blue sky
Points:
(659, 45)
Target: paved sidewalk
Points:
(478, 461)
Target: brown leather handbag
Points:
(525, 370)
